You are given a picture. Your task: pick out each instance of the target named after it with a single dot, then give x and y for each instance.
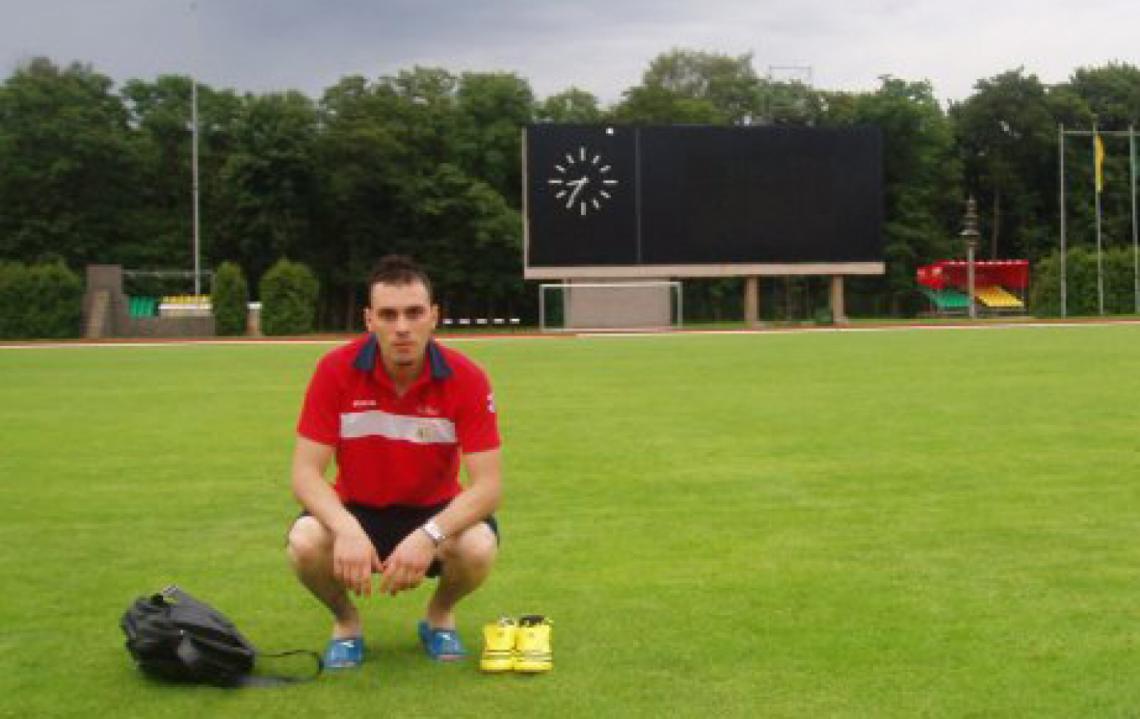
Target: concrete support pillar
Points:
(838, 313)
(751, 301)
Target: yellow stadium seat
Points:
(998, 298)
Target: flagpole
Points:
(1097, 181)
(1135, 244)
(1061, 202)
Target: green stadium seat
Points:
(947, 300)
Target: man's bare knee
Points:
(309, 542)
(475, 547)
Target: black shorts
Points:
(388, 526)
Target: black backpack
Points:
(173, 636)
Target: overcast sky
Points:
(602, 46)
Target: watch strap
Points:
(434, 531)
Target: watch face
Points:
(582, 181)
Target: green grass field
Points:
(911, 523)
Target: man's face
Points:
(402, 318)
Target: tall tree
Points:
(270, 183)
(492, 109)
(68, 173)
(468, 237)
(160, 117)
(691, 86)
(362, 159)
(921, 176)
(726, 82)
(570, 106)
(1007, 137)
(1112, 95)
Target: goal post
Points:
(626, 305)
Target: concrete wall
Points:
(117, 321)
(168, 327)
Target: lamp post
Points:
(969, 234)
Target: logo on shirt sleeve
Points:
(491, 402)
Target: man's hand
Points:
(354, 559)
(406, 565)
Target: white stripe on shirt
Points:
(375, 423)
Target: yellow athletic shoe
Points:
(499, 646)
(532, 646)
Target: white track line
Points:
(124, 344)
(876, 328)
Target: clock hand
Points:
(578, 185)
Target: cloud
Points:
(602, 46)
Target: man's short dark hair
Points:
(398, 270)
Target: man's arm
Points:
(354, 558)
(405, 567)
(481, 497)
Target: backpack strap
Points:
(273, 680)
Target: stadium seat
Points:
(947, 300)
(140, 306)
(998, 298)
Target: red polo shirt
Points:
(398, 450)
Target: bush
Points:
(229, 300)
(288, 299)
(1081, 283)
(39, 301)
(1119, 281)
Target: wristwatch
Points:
(432, 530)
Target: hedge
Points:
(229, 300)
(288, 293)
(39, 301)
(1081, 283)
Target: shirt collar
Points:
(368, 357)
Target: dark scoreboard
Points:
(615, 195)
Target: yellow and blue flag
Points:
(1098, 161)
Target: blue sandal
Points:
(442, 645)
(347, 653)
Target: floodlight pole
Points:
(194, 182)
(1135, 243)
(970, 235)
(194, 160)
(1061, 204)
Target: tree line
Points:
(426, 162)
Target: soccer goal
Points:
(643, 305)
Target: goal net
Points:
(641, 305)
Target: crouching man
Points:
(400, 414)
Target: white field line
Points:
(127, 343)
(586, 334)
(877, 328)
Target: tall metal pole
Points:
(194, 157)
(1099, 253)
(970, 235)
(970, 278)
(542, 308)
(1135, 244)
(1061, 202)
(194, 183)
